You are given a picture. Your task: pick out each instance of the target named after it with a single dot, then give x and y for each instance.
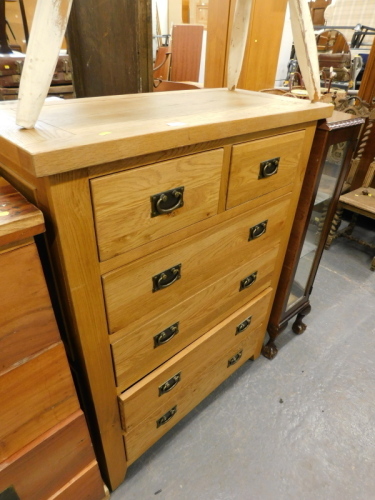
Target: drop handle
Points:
(169, 384)
(167, 202)
(166, 417)
(232, 361)
(258, 230)
(166, 335)
(166, 278)
(269, 168)
(244, 325)
(248, 281)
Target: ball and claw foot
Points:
(299, 326)
(269, 350)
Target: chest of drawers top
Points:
(81, 133)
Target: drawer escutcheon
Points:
(258, 230)
(248, 281)
(166, 278)
(169, 384)
(268, 168)
(166, 417)
(167, 202)
(166, 335)
(235, 359)
(245, 324)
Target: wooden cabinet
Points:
(328, 165)
(168, 218)
(40, 418)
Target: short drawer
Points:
(136, 352)
(138, 440)
(161, 280)
(136, 206)
(178, 374)
(261, 166)
(35, 396)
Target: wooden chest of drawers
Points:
(45, 447)
(167, 216)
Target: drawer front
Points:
(27, 323)
(35, 396)
(54, 461)
(188, 266)
(134, 207)
(157, 424)
(261, 166)
(135, 354)
(163, 385)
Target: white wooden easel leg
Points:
(47, 33)
(240, 28)
(305, 45)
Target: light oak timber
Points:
(204, 258)
(132, 125)
(122, 201)
(136, 131)
(48, 464)
(210, 306)
(244, 181)
(144, 397)
(85, 486)
(65, 200)
(146, 434)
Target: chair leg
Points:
(336, 222)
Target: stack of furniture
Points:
(46, 450)
(168, 216)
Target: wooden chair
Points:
(361, 201)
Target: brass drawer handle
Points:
(248, 281)
(258, 230)
(235, 359)
(166, 335)
(242, 326)
(166, 417)
(268, 168)
(169, 384)
(166, 278)
(165, 203)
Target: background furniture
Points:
(332, 149)
(168, 218)
(46, 449)
(360, 201)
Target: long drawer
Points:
(134, 207)
(136, 352)
(35, 396)
(207, 378)
(264, 165)
(164, 384)
(163, 279)
(53, 462)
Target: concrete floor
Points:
(300, 427)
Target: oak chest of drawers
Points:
(167, 216)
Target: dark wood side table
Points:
(329, 161)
